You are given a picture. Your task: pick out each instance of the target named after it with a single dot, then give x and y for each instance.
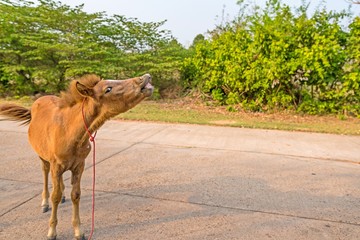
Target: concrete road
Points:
(167, 181)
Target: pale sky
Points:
(186, 18)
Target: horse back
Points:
(43, 110)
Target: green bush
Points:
(274, 58)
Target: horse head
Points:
(117, 96)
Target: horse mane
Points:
(72, 96)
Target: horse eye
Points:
(108, 89)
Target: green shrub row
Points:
(276, 58)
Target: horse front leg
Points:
(56, 176)
(45, 194)
(75, 197)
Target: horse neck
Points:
(94, 118)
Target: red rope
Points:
(92, 139)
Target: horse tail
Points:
(16, 113)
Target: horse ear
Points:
(83, 90)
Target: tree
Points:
(43, 45)
(197, 40)
(353, 1)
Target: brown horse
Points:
(57, 132)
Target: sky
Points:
(187, 18)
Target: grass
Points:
(190, 112)
(180, 111)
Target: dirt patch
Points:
(223, 122)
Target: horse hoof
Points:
(82, 237)
(51, 238)
(63, 199)
(44, 209)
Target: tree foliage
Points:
(44, 44)
(276, 58)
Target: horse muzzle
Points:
(146, 88)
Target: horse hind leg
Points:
(56, 173)
(75, 197)
(62, 186)
(45, 194)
